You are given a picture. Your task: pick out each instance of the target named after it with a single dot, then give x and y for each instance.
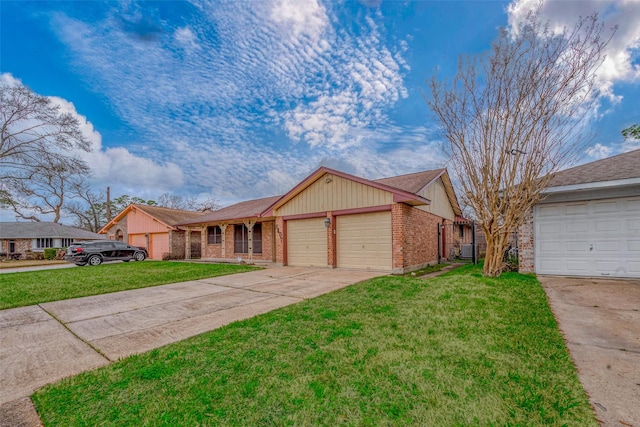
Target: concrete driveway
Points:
(46, 342)
(600, 320)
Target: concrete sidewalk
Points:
(47, 342)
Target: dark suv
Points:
(98, 251)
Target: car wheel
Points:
(126, 260)
(94, 260)
(139, 256)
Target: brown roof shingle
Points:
(412, 182)
(170, 216)
(622, 166)
(248, 209)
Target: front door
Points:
(196, 246)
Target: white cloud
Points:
(280, 69)
(300, 19)
(186, 37)
(599, 151)
(621, 51)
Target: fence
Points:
(466, 241)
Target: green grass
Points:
(458, 349)
(34, 287)
(426, 270)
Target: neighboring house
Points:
(20, 237)
(334, 219)
(152, 227)
(588, 223)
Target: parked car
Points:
(97, 251)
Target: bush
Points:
(171, 257)
(33, 256)
(50, 253)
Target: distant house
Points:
(20, 237)
(334, 219)
(588, 223)
(152, 227)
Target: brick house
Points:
(152, 227)
(334, 219)
(20, 237)
(588, 223)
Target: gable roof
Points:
(37, 230)
(247, 209)
(167, 216)
(399, 195)
(415, 182)
(620, 167)
(412, 182)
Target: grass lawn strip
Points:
(459, 349)
(35, 287)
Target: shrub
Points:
(50, 253)
(30, 255)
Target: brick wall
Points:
(526, 244)
(420, 237)
(21, 245)
(215, 251)
(279, 240)
(177, 242)
(122, 226)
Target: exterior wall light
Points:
(327, 222)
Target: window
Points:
(214, 235)
(66, 242)
(44, 243)
(461, 229)
(241, 239)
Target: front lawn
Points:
(34, 287)
(458, 349)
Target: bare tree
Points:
(514, 117)
(36, 153)
(44, 189)
(175, 201)
(88, 208)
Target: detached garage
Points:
(588, 224)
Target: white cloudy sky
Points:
(239, 100)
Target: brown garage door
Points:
(364, 241)
(307, 242)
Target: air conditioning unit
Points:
(466, 251)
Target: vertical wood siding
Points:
(140, 222)
(339, 193)
(440, 204)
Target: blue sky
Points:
(242, 99)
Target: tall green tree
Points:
(632, 132)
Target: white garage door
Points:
(364, 241)
(307, 242)
(590, 238)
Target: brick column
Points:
(526, 244)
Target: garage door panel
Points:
(606, 207)
(576, 209)
(594, 238)
(138, 240)
(364, 241)
(307, 242)
(159, 245)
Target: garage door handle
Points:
(591, 247)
